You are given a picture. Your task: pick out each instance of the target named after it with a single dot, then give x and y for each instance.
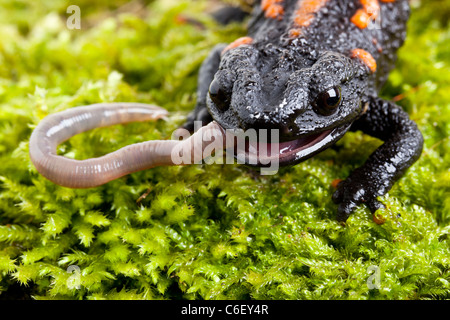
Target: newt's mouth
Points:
(263, 154)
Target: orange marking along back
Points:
(366, 58)
(237, 43)
(273, 9)
(370, 11)
(305, 14)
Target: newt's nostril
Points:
(290, 129)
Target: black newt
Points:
(312, 69)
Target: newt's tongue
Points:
(261, 149)
(261, 153)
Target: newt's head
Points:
(311, 102)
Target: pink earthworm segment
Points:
(90, 173)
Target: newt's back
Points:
(309, 27)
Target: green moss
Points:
(204, 232)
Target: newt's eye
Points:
(218, 96)
(328, 101)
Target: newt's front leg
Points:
(402, 146)
(205, 77)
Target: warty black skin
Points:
(274, 83)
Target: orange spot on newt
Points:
(335, 183)
(371, 6)
(295, 33)
(265, 4)
(304, 20)
(361, 19)
(273, 9)
(370, 11)
(366, 58)
(239, 42)
(305, 14)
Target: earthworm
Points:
(59, 127)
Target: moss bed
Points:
(204, 232)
